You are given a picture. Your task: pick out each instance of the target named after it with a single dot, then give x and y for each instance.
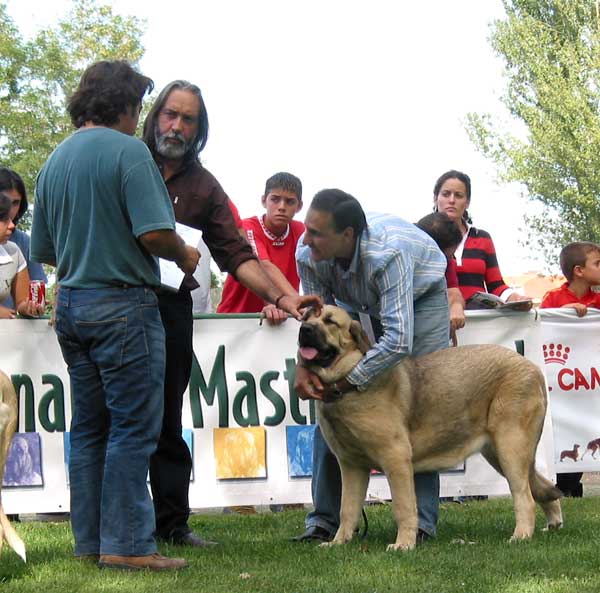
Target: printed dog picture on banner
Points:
(24, 461)
(299, 441)
(240, 452)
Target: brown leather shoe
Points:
(151, 562)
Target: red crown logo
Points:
(556, 353)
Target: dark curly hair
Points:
(105, 91)
(9, 179)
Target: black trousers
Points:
(171, 464)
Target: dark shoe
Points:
(422, 537)
(313, 533)
(192, 540)
(150, 562)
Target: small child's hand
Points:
(580, 308)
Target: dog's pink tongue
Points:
(308, 352)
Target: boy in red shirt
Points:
(580, 264)
(273, 237)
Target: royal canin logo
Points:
(570, 379)
(556, 353)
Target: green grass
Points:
(470, 555)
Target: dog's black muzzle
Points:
(310, 336)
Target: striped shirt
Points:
(478, 269)
(394, 264)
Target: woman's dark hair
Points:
(105, 91)
(5, 205)
(345, 210)
(442, 229)
(454, 174)
(11, 180)
(149, 132)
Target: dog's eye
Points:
(329, 321)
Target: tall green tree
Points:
(38, 74)
(551, 54)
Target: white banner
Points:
(571, 351)
(249, 434)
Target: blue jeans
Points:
(113, 343)
(431, 333)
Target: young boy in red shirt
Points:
(273, 237)
(580, 264)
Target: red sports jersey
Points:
(281, 251)
(236, 214)
(558, 297)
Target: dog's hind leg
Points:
(354, 488)
(515, 456)
(547, 495)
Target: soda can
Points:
(37, 292)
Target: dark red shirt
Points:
(451, 275)
(199, 201)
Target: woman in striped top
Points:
(477, 265)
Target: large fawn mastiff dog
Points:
(428, 413)
(8, 425)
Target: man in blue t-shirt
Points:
(102, 214)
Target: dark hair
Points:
(105, 91)
(454, 174)
(9, 179)
(285, 181)
(148, 135)
(575, 254)
(5, 205)
(345, 210)
(442, 229)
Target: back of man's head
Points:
(286, 182)
(442, 229)
(345, 210)
(105, 92)
(575, 254)
(151, 121)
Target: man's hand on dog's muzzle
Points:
(307, 385)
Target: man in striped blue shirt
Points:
(391, 275)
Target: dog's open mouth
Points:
(313, 355)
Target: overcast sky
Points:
(368, 97)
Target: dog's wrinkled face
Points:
(324, 338)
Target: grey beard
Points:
(168, 150)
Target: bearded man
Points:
(176, 131)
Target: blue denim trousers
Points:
(431, 333)
(113, 343)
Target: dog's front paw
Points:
(401, 547)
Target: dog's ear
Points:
(360, 337)
(308, 312)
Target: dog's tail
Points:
(8, 533)
(542, 489)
